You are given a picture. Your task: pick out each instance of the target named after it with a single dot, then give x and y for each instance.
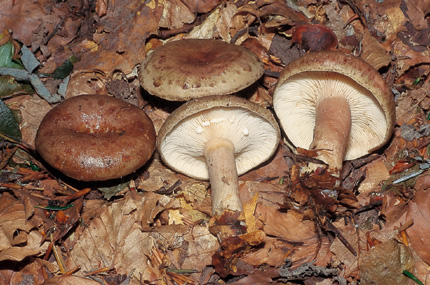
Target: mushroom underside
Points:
(253, 137)
(296, 102)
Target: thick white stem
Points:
(221, 163)
(332, 129)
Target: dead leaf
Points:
(290, 226)
(175, 14)
(417, 11)
(407, 57)
(121, 37)
(19, 238)
(376, 172)
(23, 17)
(114, 239)
(373, 52)
(201, 6)
(385, 262)
(86, 82)
(32, 109)
(419, 212)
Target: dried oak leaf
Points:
(24, 17)
(175, 14)
(386, 17)
(376, 172)
(28, 273)
(114, 239)
(408, 57)
(290, 226)
(121, 36)
(217, 24)
(384, 264)
(417, 11)
(373, 52)
(19, 237)
(419, 232)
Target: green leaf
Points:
(6, 54)
(9, 86)
(8, 123)
(109, 192)
(64, 70)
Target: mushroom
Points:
(95, 138)
(218, 138)
(335, 104)
(192, 68)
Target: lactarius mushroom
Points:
(193, 68)
(95, 138)
(335, 104)
(218, 138)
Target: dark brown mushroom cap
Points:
(301, 81)
(96, 138)
(192, 68)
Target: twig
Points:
(341, 237)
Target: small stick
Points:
(341, 237)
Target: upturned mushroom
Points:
(218, 138)
(193, 68)
(335, 104)
(95, 138)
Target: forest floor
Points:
(154, 226)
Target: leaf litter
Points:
(156, 227)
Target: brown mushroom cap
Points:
(95, 138)
(192, 68)
(329, 78)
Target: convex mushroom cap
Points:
(95, 138)
(218, 138)
(192, 68)
(336, 104)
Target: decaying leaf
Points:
(158, 229)
(19, 238)
(385, 262)
(418, 233)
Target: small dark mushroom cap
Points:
(96, 138)
(251, 128)
(192, 68)
(334, 73)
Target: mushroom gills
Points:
(247, 131)
(295, 103)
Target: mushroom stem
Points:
(223, 176)
(331, 132)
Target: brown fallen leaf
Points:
(201, 6)
(227, 260)
(19, 238)
(376, 172)
(113, 239)
(419, 232)
(385, 262)
(32, 110)
(373, 52)
(24, 17)
(175, 14)
(121, 36)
